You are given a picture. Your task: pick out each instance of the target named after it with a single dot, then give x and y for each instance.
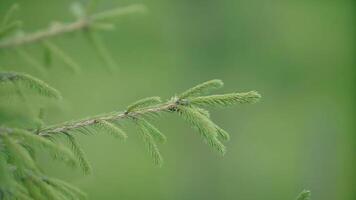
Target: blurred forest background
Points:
(298, 54)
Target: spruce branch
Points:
(58, 28)
(18, 143)
(187, 108)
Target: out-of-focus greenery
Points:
(298, 54)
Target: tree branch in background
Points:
(57, 29)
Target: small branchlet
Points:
(146, 134)
(86, 22)
(112, 129)
(149, 101)
(202, 88)
(226, 99)
(152, 130)
(31, 82)
(79, 153)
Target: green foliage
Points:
(66, 189)
(56, 150)
(31, 82)
(149, 101)
(205, 126)
(30, 60)
(99, 46)
(8, 26)
(202, 88)
(226, 99)
(79, 153)
(146, 134)
(63, 56)
(304, 195)
(112, 129)
(20, 175)
(153, 131)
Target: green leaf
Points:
(149, 101)
(226, 99)
(202, 88)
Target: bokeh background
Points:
(298, 54)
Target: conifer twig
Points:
(57, 29)
(112, 117)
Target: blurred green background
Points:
(298, 54)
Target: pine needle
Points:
(63, 56)
(117, 12)
(5, 177)
(152, 130)
(79, 153)
(9, 14)
(67, 189)
(57, 150)
(202, 88)
(30, 60)
(226, 99)
(304, 195)
(31, 82)
(101, 49)
(150, 144)
(149, 101)
(203, 111)
(112, 129)
(222, 133)
(18, 155)
(10, 28)
(205, 126)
